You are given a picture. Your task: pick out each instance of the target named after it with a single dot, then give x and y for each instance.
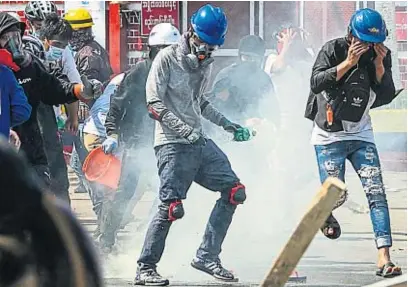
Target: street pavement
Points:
(259, 230)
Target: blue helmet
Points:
(368, 26)
(210, 24)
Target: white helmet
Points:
(163, 34)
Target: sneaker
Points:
(149, 277)
(213, 268)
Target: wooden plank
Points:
(306, 230)
(400, 281)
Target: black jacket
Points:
(92, 60)
(325, 71)
(128, 115)
(39, 85)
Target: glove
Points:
(110, 145)
(240, 133)
(86, 91)
(97, 88)
(196, 139)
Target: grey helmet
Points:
(38, 10)
(34, 46)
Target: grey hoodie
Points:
(175, 94)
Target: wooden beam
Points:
(314, 218)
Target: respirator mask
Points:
(12, 42)
(200, 49)
(200, 53)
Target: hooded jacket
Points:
(175, 94)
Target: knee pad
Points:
(176, 210)
(237, 194)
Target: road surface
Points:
(259, 230)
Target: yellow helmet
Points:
(79, 18)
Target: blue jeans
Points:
(179, 166)
(364, 157)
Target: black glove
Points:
(196, 139)
(241, 134)
(229, 126)
(92, 89)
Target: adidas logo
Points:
(357, 102)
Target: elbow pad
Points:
(155, 114)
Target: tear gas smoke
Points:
(279, 170)
(280, 174)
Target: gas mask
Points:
(201, 50)
(12, 42)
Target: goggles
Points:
(12, 42)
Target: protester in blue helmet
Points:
(350, 76)
(209, 27)
(367, 25)
(175, 98)
(366, 33)
(210, 24)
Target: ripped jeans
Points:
(364, 157)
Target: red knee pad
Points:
(176, 210)
(237, 194)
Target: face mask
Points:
(54, 53)
(202, 51)
(12, 43)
